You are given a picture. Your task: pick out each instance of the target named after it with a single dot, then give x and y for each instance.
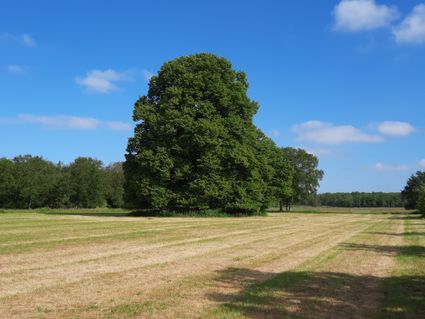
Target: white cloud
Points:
(106, 81)
(68, 122)
(328, 133)
(395, 128)
(380, 167)
(60, 121)
(361, 15)
(412, 29)
(24, 39)
(100, 81)
(422, 163)
(15, 69)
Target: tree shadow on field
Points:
(304, 294)
(410, 250)
(408, 216)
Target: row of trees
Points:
(414, 192)
(195, 146)
(32, 182)
(356, 199)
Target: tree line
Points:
(356, 199)
(33, 182)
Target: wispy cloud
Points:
(395, 128)
(422, 163)
(330, 134)
(361, 15)
(15, 69)
(381, 167)
(100, 81)
(67, 122)
(105, 81)
(412, 28)
(61, 121)
(23, 39)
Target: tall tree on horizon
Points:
(195, 145)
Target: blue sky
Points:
(342, 79)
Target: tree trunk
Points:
(280, 205)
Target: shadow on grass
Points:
(404, 251)
(150, 213)
(318, 295)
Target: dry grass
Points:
(71, 266)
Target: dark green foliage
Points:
(32, 182)
(306, 175)
(281, 183)
(356, 199)
(29, 182)
(195, 146)
(421, 201)
(411, 191)
(85, 180)
(7, 183)
(114, 185)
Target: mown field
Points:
(307, 264)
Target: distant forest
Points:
(356, 199)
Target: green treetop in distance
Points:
(195, 146)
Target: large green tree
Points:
(195, 145)
(85, 183)
(306, 175)
(411, 191)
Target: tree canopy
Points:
(306, 174)
(411, 191)
(33, 182)
(195, 145)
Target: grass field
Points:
(306, 264)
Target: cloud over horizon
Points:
(330, 134)
(396, 128)
(67, 122)
(381, 167)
